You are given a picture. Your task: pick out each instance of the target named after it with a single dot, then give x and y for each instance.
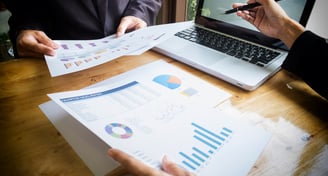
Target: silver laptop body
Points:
(227, 64)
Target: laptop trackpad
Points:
(200, 54)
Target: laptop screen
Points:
(210, 14)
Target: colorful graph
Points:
(118, 130)
(169, 81)
(206, 143)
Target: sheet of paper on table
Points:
(154, 113)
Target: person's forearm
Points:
(290, 32)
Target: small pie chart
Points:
(118, 130)
(169, 81)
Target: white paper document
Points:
(76, 55)
(148, 120)
(168, 79)
(91, 148)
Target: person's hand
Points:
(34, 43)
(138, 168)
(129, 23)
(271, 20)
(268, 18)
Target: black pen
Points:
(244, 7)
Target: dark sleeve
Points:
(24, 15)
(307, 59)
(144, 9)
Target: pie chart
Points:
(169, 81)
(118, 130)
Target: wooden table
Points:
(31, 145)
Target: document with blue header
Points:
(148, 120)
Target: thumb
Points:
(173, 169)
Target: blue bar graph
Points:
(227, 130)
(200, 152)
(207, 137)
(198, 157)
(189, 158)
(207, 143)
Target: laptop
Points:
(229, 48)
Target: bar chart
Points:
(206, 143)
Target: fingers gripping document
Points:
(77, 55)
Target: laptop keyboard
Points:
(245, 51)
